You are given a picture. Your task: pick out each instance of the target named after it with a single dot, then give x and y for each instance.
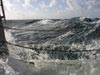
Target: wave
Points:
(45, 21)
(59, 52)
(70, 35)
(9, 36)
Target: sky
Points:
(51, 9)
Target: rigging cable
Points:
(37, 50)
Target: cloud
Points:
(73, 5)
(64, 1)
(83, 7)
(7, 5)
(50, 5)
(69, 3)
(19, 9)
(65, 13)
(25, 9)
(27, 2)
(43, 5)
(93, 4)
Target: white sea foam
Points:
(9, 36)
(5, 69)
(45, 21)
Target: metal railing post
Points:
(3, 46)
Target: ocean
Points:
(56, 46)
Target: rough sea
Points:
(54, 46)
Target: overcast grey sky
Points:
(33, 9)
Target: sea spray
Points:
(9, 36)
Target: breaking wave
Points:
(45, 21)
